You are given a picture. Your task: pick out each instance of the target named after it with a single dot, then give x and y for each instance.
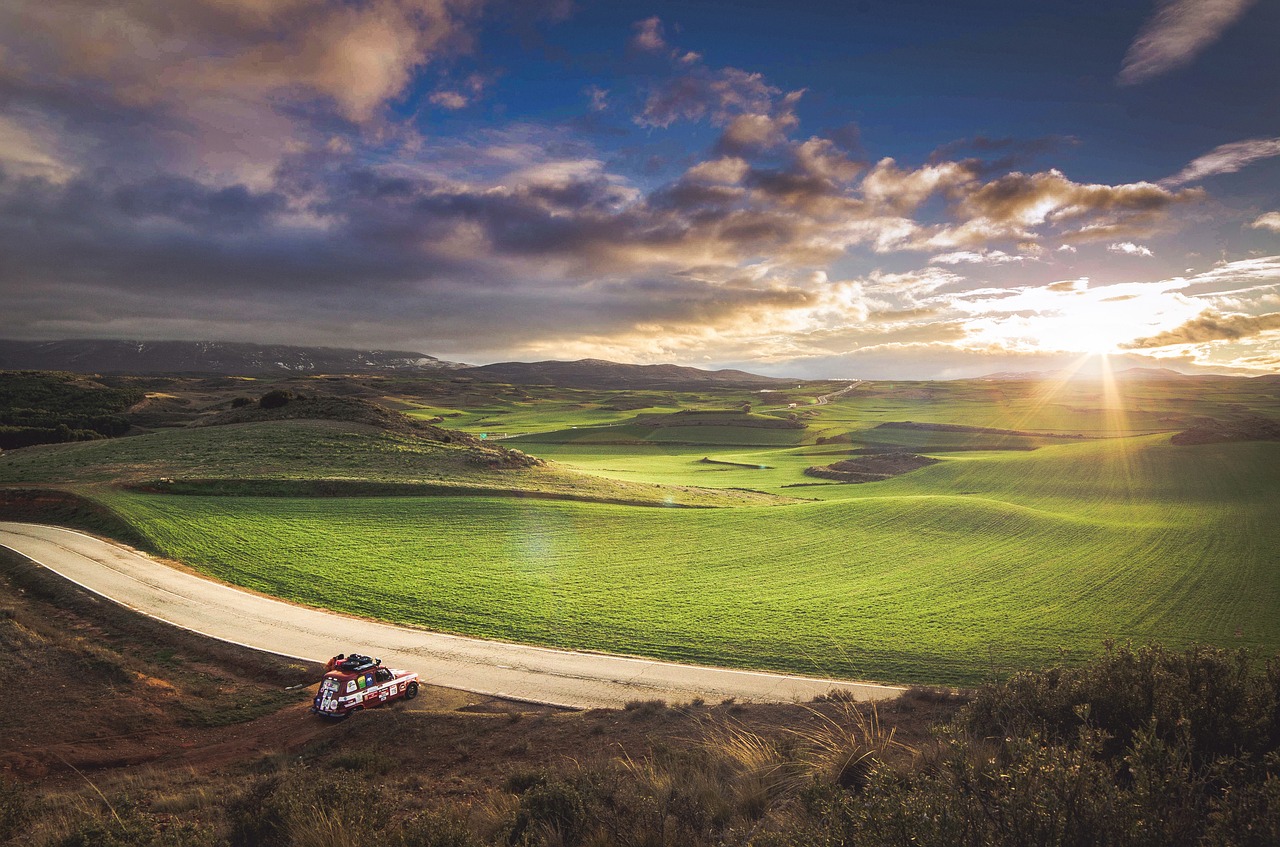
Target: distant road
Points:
(560, 677)
(826, 398)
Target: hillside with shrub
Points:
(52, 408)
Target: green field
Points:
(1078, 522)
(972, 566)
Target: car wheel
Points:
(411, 691)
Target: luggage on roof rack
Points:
(356, 662)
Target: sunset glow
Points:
(887, 190)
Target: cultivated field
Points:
(1057, 516)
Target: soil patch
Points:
(1211, 431)
(942, 427)
(871, 468)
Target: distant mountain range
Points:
(1144, 374)
(205, 357)
(228, 358)
(598, 373)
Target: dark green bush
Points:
(1218, 702)
(276, 398)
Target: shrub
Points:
(304, 806)
(127, 824)
(1220, 702)
(435, 829)
(276, 398)
(551, 808)
(15, 809)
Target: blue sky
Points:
(870, 189)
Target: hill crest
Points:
(206, 357)
(599, 373)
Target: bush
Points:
(1219, 702)
(127, 824)
(15, 809)
(304, 806)
(436, 830)
(551, 808)
(276, 398)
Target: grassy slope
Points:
(312, 450)
(985, 561)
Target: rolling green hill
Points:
(968, 567)
(297, 454)
(1055, 516)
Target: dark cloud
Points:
(1211, 327)
(998, 155)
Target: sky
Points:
(871, 189)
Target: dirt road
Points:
(560, 677)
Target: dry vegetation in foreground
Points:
(144, 744)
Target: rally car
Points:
(360, 682)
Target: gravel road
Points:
(559, 677)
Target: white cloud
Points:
(1130, 249)
(980, 257)
(1271, 221)
(1176, 34)
(451, 100)
(1226, 159)
(648, 37)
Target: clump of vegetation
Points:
(871, 468)
(52, 408)
(1245, 428)
(283, 404)
(276, 399)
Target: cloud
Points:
(1021, 207)
(1269, 220)
(1069, 285)
(597, 98)
(1211, 327)
(998, 155)
(706, 93)
(451, 100)
(756, 133)
(219, 90)
(461, 95)
(981, 257)
(1178, 32)
(1128, 248)
(904, 190)
(648, 36)
(1226, 159)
